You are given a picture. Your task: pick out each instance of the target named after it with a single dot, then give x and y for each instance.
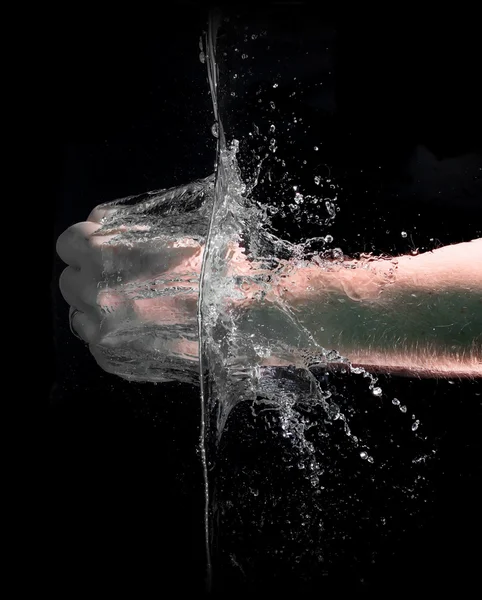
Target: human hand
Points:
(134, 293)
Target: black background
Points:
(129, 111)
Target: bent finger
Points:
(79, 289)
(99, 213)
(73, 245)
(86, 327)
(71, 290)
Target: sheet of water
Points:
(235, 351)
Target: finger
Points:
(99, 213)
(86, 327)
(74, 246)
(188, 349)
(70, 289)
(79, 289)
(167, 310)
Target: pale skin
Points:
(415, 315)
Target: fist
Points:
(134, 285)
(133, 279)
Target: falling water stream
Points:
(238, 350)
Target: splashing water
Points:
(236, 349)
(239, 353)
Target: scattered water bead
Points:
(356, 370)
(404, 234)
(370, 459)
(317, 179)
(403, 408)
(415, 425)
(363, 455)
(328, 239)
(396, 401)
(272, 104)
(330, 208)
(377, 391)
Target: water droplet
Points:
(272, 104)
(370, 459)
(396, 401)
(272, 128)
(328, 239)
(404, 234)
(403, 408)
(244, 56)
(363, 455)
(275, 85)
(317, 179)
(316, 148)
(377, 391)
(215, 130)
(202, 57)
(415, 425)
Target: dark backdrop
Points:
(130, 112)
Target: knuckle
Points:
(65, 282)
(63, 244)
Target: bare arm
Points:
(423, 318)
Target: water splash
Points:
(234, 352)
(238, 351)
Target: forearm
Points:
(424, 319)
